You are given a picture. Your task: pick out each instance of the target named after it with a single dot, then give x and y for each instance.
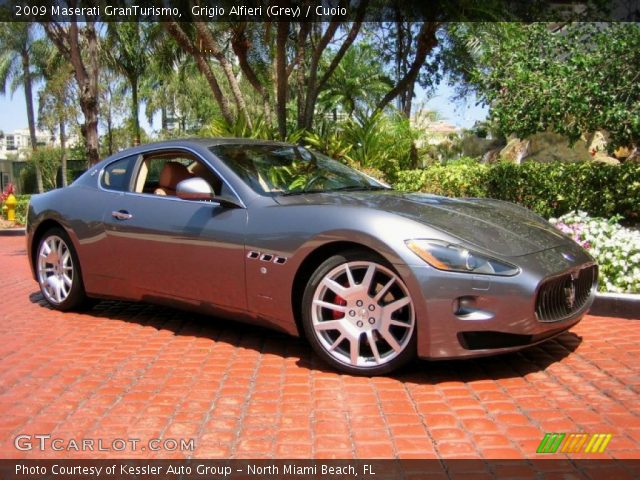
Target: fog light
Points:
(466, 308)
(464, 305)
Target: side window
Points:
(117, 175)
(160, 173)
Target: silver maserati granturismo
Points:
(281, 236)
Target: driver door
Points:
(166, 247)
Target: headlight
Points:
(454, 258)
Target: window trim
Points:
(173, 149)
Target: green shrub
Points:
(549, 189)
(453, 180)
(21, 209)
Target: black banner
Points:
(314, 469)
(318, 10)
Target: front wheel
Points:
(58, 271)
(358, 314)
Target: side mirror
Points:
(194, 189)
(199, 189)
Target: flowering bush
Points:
(615, 248)
(9, 189)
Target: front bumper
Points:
(465, 315)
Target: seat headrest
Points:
(172, 174)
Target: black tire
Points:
(75, 297)
(356, 327)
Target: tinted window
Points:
(287, 169)
(116, 175)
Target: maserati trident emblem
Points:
(570, 293)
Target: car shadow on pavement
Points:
(266, 341)
(507, 365)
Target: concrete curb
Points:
(622, 305)
(11, 232)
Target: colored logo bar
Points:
(574, 443)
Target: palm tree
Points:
(167, 59)
(56, 104)
(16, 42)
(128, 51)
(357, 84)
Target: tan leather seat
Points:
(172, 173)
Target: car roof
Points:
(212, 142)
(197, 144)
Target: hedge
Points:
(21, 209)
(550, 189)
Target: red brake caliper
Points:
(338, 300)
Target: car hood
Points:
(498, 227)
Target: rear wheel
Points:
(58, 271)
(358, 314)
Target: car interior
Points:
(159, 174)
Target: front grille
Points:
(560, 297)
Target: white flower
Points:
(615, 248)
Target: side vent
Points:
(266, 257)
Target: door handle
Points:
(121, 215)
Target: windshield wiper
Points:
(357, 188)
(347, 188)
(300, 192)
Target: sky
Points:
(464, 114)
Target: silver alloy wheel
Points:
(55, 269)
(362, 314)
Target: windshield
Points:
(289, 170)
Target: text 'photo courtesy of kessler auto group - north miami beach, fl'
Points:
(336, 239)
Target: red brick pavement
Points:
(136, 371)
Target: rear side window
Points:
(117, 175)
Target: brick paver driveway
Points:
(136, 371)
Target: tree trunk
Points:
(89, 129)
(91, 113)
(312, 90)
(134, 110)
(281, 78)
(28, 95)
(399, 53)
(219, 55)
(87, 78)
(240, 45)
(426, 43)
(109, 129)
(85, 69)
(408, 100)
(63, 148)
(187, 45)
(164, 121)
(315, 85)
